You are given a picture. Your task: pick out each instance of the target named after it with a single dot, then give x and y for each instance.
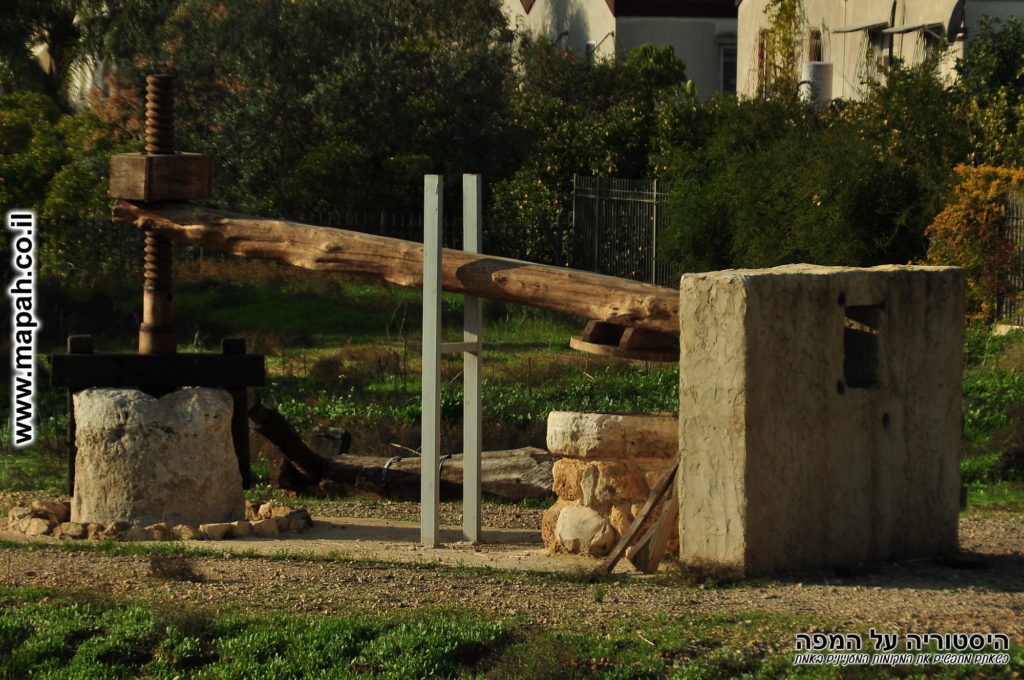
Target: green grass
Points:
(71, 635)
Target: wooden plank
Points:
(160, 177)
(602, 333)
(77, 344)
(79, 371)
(652, 501)
(641, 338)
(594, 296)
(239, 414)
(576, 342)
(648, 552)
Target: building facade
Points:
(702, 33)
(858, 37)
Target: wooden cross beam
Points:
(233, 370)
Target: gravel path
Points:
(917, 596)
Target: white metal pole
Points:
(430, 419)
(472, 333)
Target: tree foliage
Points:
(969, 233)
(991, 87)
(571, 116)
(774, 182)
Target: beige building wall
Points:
(849, 27)
(583, 19)
(697, 42)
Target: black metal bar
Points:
(231, 347)
(77, 344)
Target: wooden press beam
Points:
(230, 371)
(570, 291)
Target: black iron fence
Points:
(617, 226)
(1010, 303)
(407, 226)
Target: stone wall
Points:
(819, 415)
(609, 464)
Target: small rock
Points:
(70, 530)
(251, 511)
(36, 526)
(93, 530)
(280, 511)
(185, 532)
(55, 511)
(215, 531)
(17, 513)
(241, 528)
(136, 533)
(266, 510)
(265, 527)
(160, 532)
(302, 515)
(116, 528)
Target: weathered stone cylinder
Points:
(146, 460)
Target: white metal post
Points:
(472, 333)
(430, 423)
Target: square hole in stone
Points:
(860, 345)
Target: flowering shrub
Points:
(969, 233)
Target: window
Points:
(860, 345)
(879, 52)
(728, 65)
(814, 51)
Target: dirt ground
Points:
(915, 596)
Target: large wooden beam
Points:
(594, 296)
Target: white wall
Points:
(583, 19)
(846, 51)
(695, 41)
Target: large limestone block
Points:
(613, 435)
(819, 415)
(147, 460)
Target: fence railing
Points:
(1010, 304)
(407, 226)
(618, 226)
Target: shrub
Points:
(968, 233)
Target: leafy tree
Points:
(26, 25)
(332, 104)
(991, 88)
(57, 164)
(782, 39)
(772, 182)
(573, 116)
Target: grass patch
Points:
(57, 634)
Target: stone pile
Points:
(51, 518)
(609, 464)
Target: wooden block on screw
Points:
(160, 177)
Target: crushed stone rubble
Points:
(47, 517)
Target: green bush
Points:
(771, 182)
